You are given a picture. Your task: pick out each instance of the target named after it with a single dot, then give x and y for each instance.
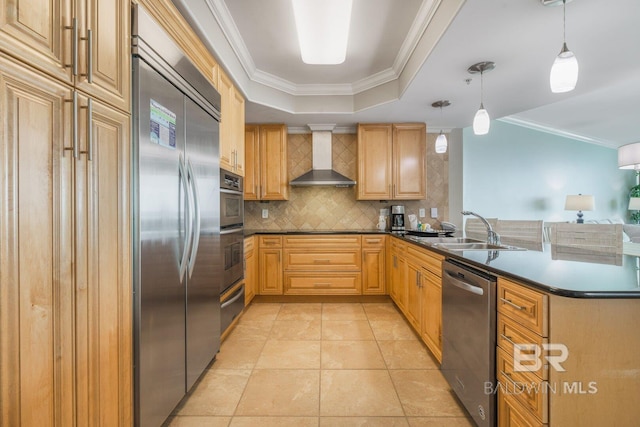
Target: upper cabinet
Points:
(392, 161)
(266, 162)
(231, 126)
(83, 43)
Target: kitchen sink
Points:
(446, 240)
(476, 246)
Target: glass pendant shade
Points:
(564, 72)
(441, 143)
(481, 122)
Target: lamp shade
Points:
(441, 143)
(629, 156)
(481, 122)
(634, 203)
(564, 72)
(579, 202)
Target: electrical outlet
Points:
(421, 213)
(265, 213)
(434, 212)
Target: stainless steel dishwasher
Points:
(469, 338)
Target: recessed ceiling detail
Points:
(387, 46)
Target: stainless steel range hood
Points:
(321, 172)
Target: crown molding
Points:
(529, 124)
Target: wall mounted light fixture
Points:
(481, 121)
(564, 71)
(441, 140)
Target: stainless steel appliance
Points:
(469, 338)
(177, 262)
(232, 244)
(397, 218)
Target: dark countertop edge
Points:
(540, 286)
(249, 233)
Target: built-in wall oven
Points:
(232, 242)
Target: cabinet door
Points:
(414, 295)
(373, 265)
(274, 182)
(250, 272)
(399, 281)
(270, 268)
(238, 131)
(252, 163)
(104, 51)
(374, 162)
(431, 319)
(35, 31)
(103, 276)
(409, 161)
(36, 250)
(225, 87)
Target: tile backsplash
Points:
(331, 208)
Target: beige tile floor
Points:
(322, 365)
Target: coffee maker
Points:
(397, 218)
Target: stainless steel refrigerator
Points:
(177, 263)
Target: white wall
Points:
(519, 173)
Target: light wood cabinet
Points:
(374, 265)
(266, 176)
(416, 287)
(85, 43)
(250, 269)
(431, 317)
(65, 278)
(322, 265)
(270, 265)
(392, 161)
(231, 125)
(398, 276)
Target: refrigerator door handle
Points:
(189, 233)
(196, 218)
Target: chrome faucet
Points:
(493, 238)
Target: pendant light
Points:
(482, 121)
(441, 140)
(564, 71)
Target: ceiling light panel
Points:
(323, 29)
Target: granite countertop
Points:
(593, 276)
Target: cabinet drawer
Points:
(511, 333)
(296, 283)
(339, 241)
(398, 246)
(524, 387)
(429, 260)
(248, 244)
(511, 413)
(524, 305)
(295, 259)
(373, 240)
(270, 241)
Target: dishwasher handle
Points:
(463, 285)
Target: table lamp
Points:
(579, 203)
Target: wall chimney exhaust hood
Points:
(321, 172)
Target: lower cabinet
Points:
(431, 313)
(270, 265)
(398, 275)
(250, 269)
(374, 265)
(416, 288)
